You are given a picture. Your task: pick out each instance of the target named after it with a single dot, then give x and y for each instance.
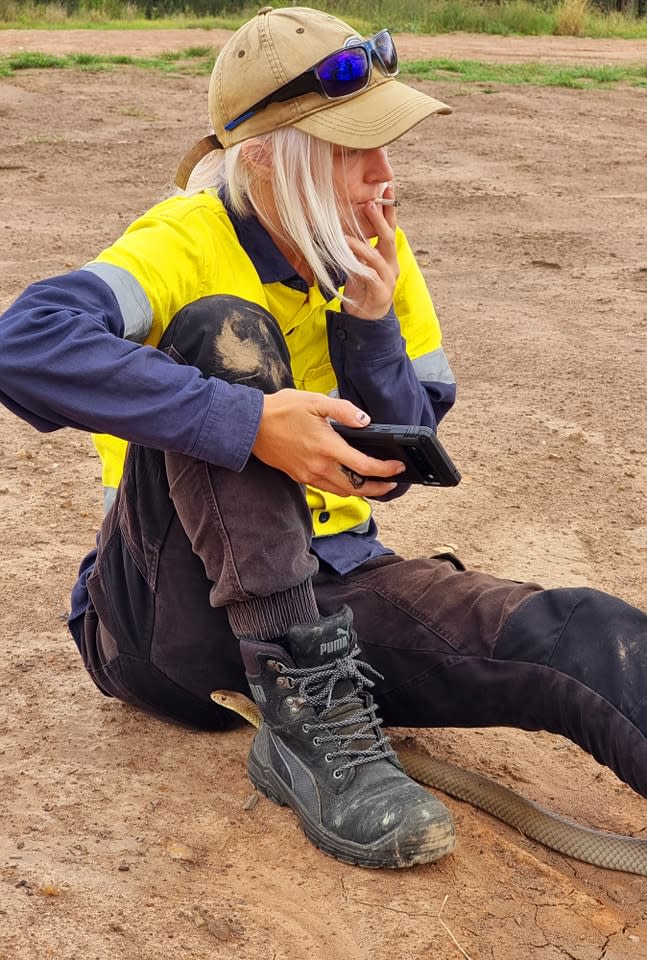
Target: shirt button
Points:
(324, 516)
(341, 335)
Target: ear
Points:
(256, 154)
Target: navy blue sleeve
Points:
(373, 370)
(63, 363)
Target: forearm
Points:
(63, 362)
(373, 370)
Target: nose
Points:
(378, 168)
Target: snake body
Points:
(610, 850)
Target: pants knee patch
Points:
(232, 339)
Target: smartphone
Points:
(418, 448)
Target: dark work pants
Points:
(187, 544)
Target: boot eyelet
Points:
(306, 728)
(328, 758)
(338, 774)
(316, 741)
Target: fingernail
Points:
(401, 468)
(362, 417)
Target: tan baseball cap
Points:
(273, 48)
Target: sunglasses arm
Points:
(305, 83)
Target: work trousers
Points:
(187, 544)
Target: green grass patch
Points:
(86, 59)
(181, 62)
(591, 18)
(516, 74)
(199, 61)
(33, 15)
(31, 61)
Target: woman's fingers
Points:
(295, 436)
(384, 221)
(370, 297)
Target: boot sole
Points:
(438, 840)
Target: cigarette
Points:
(387, 203)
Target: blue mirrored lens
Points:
(345, 72)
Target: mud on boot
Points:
(321, 751)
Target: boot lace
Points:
(316, 689)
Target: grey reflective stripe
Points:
(136, 310)
(109, 494)
(434, 367)
(360, 528)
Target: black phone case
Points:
(419, 448)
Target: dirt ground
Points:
(124, 837)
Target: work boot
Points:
(321, 751)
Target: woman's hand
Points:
(294, 436)
(372, 296)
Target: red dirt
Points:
(123, 837)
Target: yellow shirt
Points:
(186, 248)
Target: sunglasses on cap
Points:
(340, 74)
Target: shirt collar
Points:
(270, 264)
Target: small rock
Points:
(549, 264)
(20, 845)
(180, 851)
(222, 928)
(49, 890)
(123, 867)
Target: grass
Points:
(178, 62)
(534, 74)
(199, 61)
(180, 22)
(519, 17)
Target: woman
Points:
(236, 551)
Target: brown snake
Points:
(610, 850)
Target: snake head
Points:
(238, 703)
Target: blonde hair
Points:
(304, 194)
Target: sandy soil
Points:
(123, 837)
(456, 46)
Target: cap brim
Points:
(379, 115)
